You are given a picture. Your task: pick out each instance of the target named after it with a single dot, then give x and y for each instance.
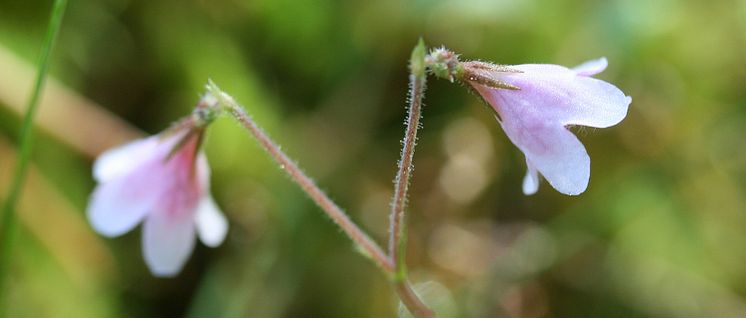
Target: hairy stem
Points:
(363, 242)
(397, 232)
(8, 225)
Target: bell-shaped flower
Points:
(162, 181)
(535, 105)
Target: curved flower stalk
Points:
(535, 105)
(163, 182)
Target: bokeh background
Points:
(660, 232)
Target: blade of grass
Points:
(8, 225)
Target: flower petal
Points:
(552, 150)
(123, 159)
(118, 206)
(595, 104)
(592, 67)
(211, 223)
(535, 117)
(168, 240)
(558, 95)
(531, 180)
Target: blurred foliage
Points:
(659, 233)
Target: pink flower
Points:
(537, 102)
(163, 181)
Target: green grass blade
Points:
(8, 225)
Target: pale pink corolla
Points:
(536, 103)
(162, 181)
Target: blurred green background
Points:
(660, 232)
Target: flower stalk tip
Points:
(417, 63)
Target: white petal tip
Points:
(573, 189)
(529, 186)
(574, 193)
(166, 265)
(591, 67)
(164, 273)
(530, 181)
(167, 243)
(212, 226)
(103, 230)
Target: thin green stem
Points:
(398, 230)
(8, 225)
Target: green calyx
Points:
(444, 64)
(207, 110)
(202, 117)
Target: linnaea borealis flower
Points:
(535, 105)
(163, 182)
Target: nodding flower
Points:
(536, 103)
(163, 182)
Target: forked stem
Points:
(393, 264)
